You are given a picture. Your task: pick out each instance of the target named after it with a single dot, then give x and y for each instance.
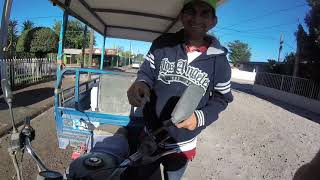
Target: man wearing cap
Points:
(174, 61)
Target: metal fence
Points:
(22, 72)
(294, 85)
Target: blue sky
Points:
(259, 23)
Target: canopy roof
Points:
(141, 20)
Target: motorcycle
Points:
(108, 158)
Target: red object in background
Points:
(79, 152)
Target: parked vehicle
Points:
(136, 65)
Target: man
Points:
(175, 61)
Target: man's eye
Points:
(206, 14)
(189, 12)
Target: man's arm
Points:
(139, 91)
(221, 96)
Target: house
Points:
(74, 56)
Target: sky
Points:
(258, 23)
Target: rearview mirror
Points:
(6, 89)
(187, 104)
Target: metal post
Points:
(60, 53)
(61, 40)
(76, 89)
(7, 4)
(312, 89)
(102, 52)
(282, 79)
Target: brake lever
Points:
(150, 159)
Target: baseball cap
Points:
(212, 3)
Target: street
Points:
(253, 139)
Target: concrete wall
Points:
(243, 75)
(296, 100)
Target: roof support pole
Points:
(62, 40)
(103, 49)
(7, 4)
(60, 52)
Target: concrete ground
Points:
(253, 139)
(30, 102)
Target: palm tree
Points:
(27, 25)
(12, 34)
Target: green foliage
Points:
(290, 58)
(272, 65)
(22, 43)
(74, 34)
(38, 40)
(313, 21)
(310, 42)
(239, 52)
(12, 35)
(44, 41)
(27, 25)
(140, 57)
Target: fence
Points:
(22, 72)
(294, 85)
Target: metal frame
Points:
(7, 4)
(86, 5)
(133, 13)
(94, 10)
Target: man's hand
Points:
(190, 123)
(138, 94)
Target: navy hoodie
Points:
(167, 72)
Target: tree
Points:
(22, 43)
(313, 21)
(44, 41)
(12, 35)
(239, 52)
(290, 58)
(39, 40)
(74, 34)
(27, 25)
(140, 57)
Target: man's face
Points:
(198, 19)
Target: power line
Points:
(258, 36)
(40, 17)
(264, 15)
(270, 27)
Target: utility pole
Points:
(130, 55)
(91, 47)
(281, 47)
(117, 56)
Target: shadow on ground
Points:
(248, 89)
(26, 98)
(309, 171)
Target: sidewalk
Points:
(29, 102)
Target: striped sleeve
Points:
(220, 95)
(146, 72)
(150, 58)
